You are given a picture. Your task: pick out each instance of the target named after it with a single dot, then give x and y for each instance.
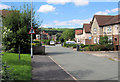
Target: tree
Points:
(16, 26)
(58, 36)
(68, 34)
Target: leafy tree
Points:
(58, 36)
(68, 34)
(16, 26)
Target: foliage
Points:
(103, 40)
(58, 36)
(16, 26)
(98, 47)
(70, 45)
(68, 34)
(46, 42)
(82, 45)
(6, 72)
(75, 45)
(21, 70)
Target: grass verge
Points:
(21, 68)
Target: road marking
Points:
(63, 69)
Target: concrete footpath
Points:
(44, 68)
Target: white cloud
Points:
(46, 8)
(58, 1)
(46, 25)
(106, 12)
(72, 22)
(80, 2)
(2, 6)
(76, 2)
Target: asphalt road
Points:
(44, 68)
(83, 66)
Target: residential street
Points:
(83, 66)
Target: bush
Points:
(86, 49)
(82, 45)
(69, 45)
(46, 42)
(98, 47)
(75, 45)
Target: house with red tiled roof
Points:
(106, 25)
(78, 35)
(83, 36)
(87, 33)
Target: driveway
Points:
(83, 66)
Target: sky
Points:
(66, 13)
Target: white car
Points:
(52, 42)
(70, 42)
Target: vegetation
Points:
(104, 45)
(15, 68)
(68, 34)
(42, 42)
(70, 45)
(16, 26)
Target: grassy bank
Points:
(21, 68)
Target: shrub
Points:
(82, 45)
(36, 41)
(75, 45)
(86, 49)
(99, 47)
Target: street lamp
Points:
(31, 34)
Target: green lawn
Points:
(21, 69)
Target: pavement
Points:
(83, 66)
(44, 68)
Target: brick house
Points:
(79, 36)
(106, 25)
(84, 36)
(87, 33)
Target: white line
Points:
(63, 69)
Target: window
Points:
(109, 29)
(95, 40)
(98, 40)
(95, 30)
(116, 27)
(104, 29)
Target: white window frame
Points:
(109, 29)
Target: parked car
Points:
(52, 42)
(70, 42)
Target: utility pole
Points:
(31, 34)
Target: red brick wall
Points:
(87, 41)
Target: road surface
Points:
(83, 66)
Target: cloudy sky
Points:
(66, 13)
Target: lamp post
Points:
(31, 34)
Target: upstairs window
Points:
(95, 30)
(104, 30)
(109, 29)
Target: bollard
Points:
(78, 47)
